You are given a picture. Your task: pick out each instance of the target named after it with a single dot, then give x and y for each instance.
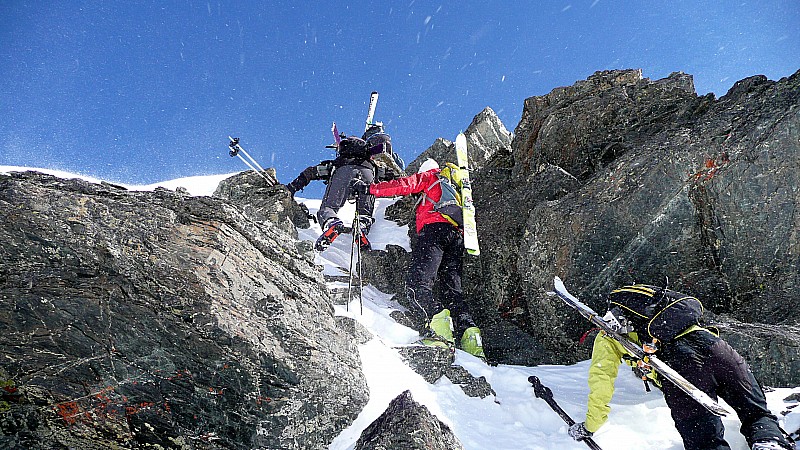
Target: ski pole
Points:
(355, 230)
(236, 149)
(350, 269)
(543, 392)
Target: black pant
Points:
(339, 190)
(717, 369)
(437, 253)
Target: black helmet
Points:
(378, 140)
(372, 129)
(636, 302)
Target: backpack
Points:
(450, 204)
(657, 312)
(354, 147)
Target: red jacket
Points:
(414, 184)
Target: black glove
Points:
(579, 432)
(291, 188)
(359, 187)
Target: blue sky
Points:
(146, 91)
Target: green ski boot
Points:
(440, 331)
(472, 343)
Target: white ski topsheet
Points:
(373, 103)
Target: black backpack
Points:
(354, 147)
(656, 312)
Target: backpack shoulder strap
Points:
(424, 195)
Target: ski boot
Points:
(439, 332)
(364, 224)
(472, 343)
(363, 242)
(335, 227)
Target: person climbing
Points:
(355, 159)
(436, 254)
(694, 351)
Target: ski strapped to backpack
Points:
(468, 208)
(373, 103)
(379, 142)
(662, 369)
(337, 138)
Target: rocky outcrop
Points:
(433, 363)
(581, 127)
(486, 135)
(622, 179)
(263, 202)
(407, 425)
(154, 319)
(771, 352)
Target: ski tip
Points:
(558, 284)
(374, 93)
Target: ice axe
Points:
(543, 392)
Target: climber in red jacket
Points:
(436, 254)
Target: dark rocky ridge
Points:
(620, 179)
(134, 319)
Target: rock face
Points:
(407, 425)
(262, 202)
(620, 179)
(138, 319)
